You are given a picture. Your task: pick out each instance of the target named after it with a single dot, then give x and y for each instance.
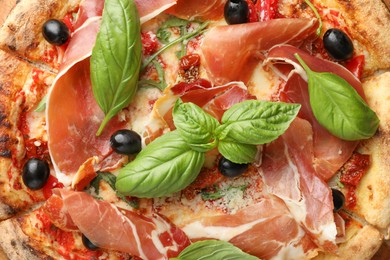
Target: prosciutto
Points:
(240, 46)
(147, 9)
(330, 152)
(197, 9)
(287, 170)
(266, 230)
(73, 116)
(147, 237)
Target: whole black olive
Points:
(88, 244)
(338, 200)
(126, 142)
(55, 32)
(231, 169)
(337, 44)
(236, 11)
(35, 173)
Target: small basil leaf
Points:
(116, 58)
(338, 107)
(194, 125)
(237, 152)
(213, 249)
(42, 105)
(212, 195)
(165, 166)
(256, 122)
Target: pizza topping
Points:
(236, 11)
(147, 237)
(338, 107)
(338, 45)
(195, 9)
(88, 244)
(239, 46)
(338, 200)
(55, 32)
(231, 169)
(172, 161)
(114, 70)
(126, 142)
(35, 173)
(318, 32)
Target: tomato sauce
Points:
(351, 174)
(65, 240)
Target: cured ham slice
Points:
(239, 46)
(265, 229)
(287, 170)
(146, 9)
(330, 152)
(109, 227)
(197, 9)
(214, 100)
(73, 116)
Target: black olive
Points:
(35, 173)
(88, 244)
(236, 11)
(338, 200)
(55, 32)
(231, 169)
(338, 45)
(126, 142)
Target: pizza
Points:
(166, 129)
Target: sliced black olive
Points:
(55, 32)
(231, 169)
(338, 45)
(236, 11)
(35, 173)
(338, 200)
(88, 244)
(126, 142)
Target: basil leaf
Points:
(213, 249)
(116, 58)
(237, 152)
(165, 166)
(42, 105)
(212, 195)
(338, 107)
(256, 122)
(204, 147)
(161, 85)
(194, 125)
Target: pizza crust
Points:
(362, 243)
(21, 33)
(15, 244)
(373, 193)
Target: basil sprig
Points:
(213, 249)
(312, 7)
(116, 58)
(174, 160)
(338, 107)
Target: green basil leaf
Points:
(165, 166)
(194, 125)
(212, 195)
(213, 249)
(338, 107)
(256, 122)
(116, 58)
(237, 152)
(204, 147)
